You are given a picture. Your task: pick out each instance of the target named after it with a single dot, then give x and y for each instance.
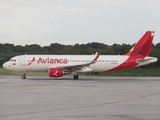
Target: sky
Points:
(42, 22)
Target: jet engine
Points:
(56, 72)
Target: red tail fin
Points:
(143, 46)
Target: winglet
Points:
(96, 58)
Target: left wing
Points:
(84, 67)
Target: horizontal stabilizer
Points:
(148, 59)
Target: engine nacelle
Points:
(56, 72)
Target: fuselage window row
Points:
(113, 61)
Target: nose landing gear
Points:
(24, 75)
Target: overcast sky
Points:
(66, 22)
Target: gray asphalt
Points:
(89, 98)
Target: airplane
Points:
(59, 65)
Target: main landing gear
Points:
(24, 75)
(75, 77)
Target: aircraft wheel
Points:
(23, 77)
(75, 77)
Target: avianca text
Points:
(49, 60)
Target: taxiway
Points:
(89, 98)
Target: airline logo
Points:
(48, 60)
(56, 73)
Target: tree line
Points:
(8, 50)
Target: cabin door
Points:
(23, 61)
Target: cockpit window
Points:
(12, 60)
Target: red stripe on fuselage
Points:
(129, 63)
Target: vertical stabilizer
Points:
(143, 46)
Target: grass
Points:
(135, 72)
(130, 72)
(8, 72)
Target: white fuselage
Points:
(44, 62)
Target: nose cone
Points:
(5, 65)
